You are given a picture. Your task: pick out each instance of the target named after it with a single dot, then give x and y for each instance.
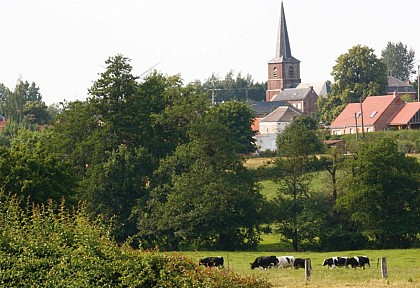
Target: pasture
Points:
(403, 268)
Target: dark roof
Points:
(266, 107)
(396, 85)
(293, 94)
(283, 52)
(282, 114)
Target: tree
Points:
(209, 199)
(233, 87)
(24, 104)
(382, 196)
(297, 145)
(30, 169)
(357, 74)
(238, 118)
(399, 60)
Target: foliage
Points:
(24, 104)
(399, 60)
(41, 248)
(234, 88)
(357, 74)
(237, 117)
(382, 194)
(32, 171)
(208, 195)
(297, 145)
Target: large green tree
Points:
(357, 74)
(382, 196)
(209, 198)
(297, 145)
(31, 170)
(117, 137)
(399, 60)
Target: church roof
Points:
(283, 52)
(292, 94)
(266, 107)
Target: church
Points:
(284, 88)
(284, 82)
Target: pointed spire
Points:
(283, 52)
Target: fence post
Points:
(384, 268)
(308, 269)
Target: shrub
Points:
(40, 247)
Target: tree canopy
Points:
(399, 60)
(357, 74)
(382, 194)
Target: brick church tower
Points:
(283, 69)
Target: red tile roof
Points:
(373, 107)
(406, 113)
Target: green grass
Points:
(403, 268)
(318, 183)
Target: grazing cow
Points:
(264, 262)
(335, 262)
(285, 261)
(299, 263)
(212, 261)
(358, 261)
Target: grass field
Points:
(403, 268)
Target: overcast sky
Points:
(62, 45)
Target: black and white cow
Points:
(264, 262)
(285, 261)
(335, 262)
(358, 261)
(299, 263)
(212, 261)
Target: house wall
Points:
(352, 130)
(271, 127)
(310, 102)
(266, 141)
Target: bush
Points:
(41, 247)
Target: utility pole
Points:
(418, 81)
(357, 132)
(361, 114)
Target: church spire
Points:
(283, 52)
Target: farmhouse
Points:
(377, 113)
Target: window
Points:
(373, 114)
(291, 72)
(275, 72)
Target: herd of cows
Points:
(266, 262)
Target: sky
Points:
(62, 45)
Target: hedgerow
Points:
(43, 247)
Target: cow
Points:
(264, 262)
(212, 261)
(285, 261)
(335, 262)
(299, 263)
(358, 261)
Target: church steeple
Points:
(283, 52)
(283, 69)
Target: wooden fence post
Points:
(384, 268)
(308, 269)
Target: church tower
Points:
(283, 69)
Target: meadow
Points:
(403, 268)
